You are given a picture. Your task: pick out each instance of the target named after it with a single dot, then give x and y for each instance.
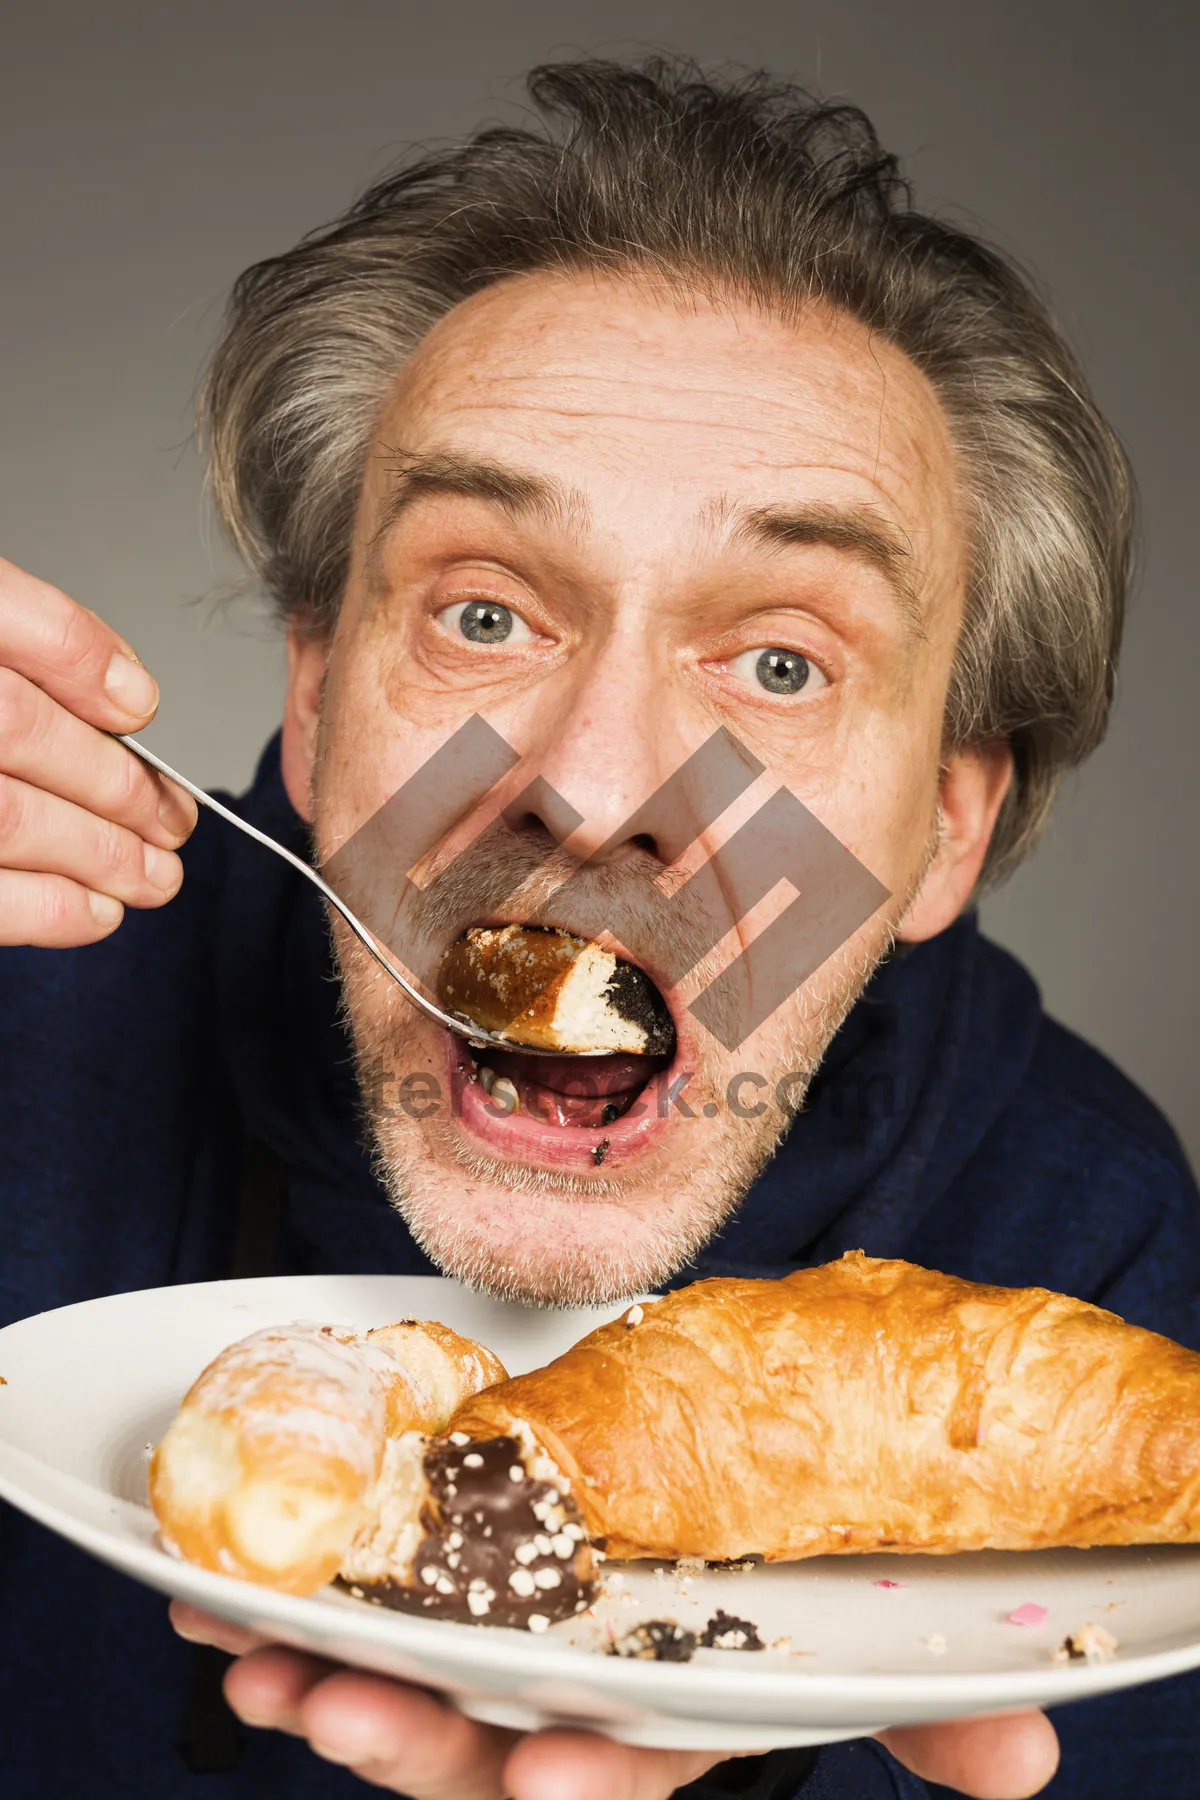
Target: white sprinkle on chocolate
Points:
(474, 1461)
(562, 1545)
(516, 1473)
(459, 1438)
(525, 1553)
(478, 1604)
(522, 1582)
(546, 1578)
(538, 1622)
(429, 1574)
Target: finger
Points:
(50, 836)
(52, 912)
(574, 1765)
(43, 743)
(78, 659)
(404, 1738)
(1005, 1758)
(202, 1628)
(266, 1687)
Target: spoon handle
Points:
(476, 1037)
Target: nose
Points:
(626, 765)
(602, 745)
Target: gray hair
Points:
(752, 188)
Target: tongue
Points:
(574, 1090)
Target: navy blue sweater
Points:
(952, 1123)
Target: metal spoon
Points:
(466, 1028)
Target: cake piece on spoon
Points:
(553, 991)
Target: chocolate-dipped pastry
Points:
(553, 991)
(498, 1538)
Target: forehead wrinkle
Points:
(857, 531)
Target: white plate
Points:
(89, 1387)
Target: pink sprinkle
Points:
(889, 1584)
(1029, 1614)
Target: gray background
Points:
(150, 152)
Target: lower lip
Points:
(522, 1138)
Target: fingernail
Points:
(105, 910)
(162, 867)
(131, 687)
(176, 812)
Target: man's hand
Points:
(409, 1740)
(85, 828)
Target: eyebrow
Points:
(515, 491)
(858, 531)
(854, 530)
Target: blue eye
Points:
(778, 671)
(485, 622)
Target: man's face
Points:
(590, 508)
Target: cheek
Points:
(366, 751)
(879, 799)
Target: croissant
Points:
(864, 1405)
(273, 1459)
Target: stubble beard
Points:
(556, 1238)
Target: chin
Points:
(549, 1235)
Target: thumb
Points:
(572, 1765)
(1003, 1758)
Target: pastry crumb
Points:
(1091, 1643)
(723, 1632)
(935, 1644)
(655, 1640)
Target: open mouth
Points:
(547, 988)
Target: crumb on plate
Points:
(1091, 1643)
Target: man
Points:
(670, 420)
